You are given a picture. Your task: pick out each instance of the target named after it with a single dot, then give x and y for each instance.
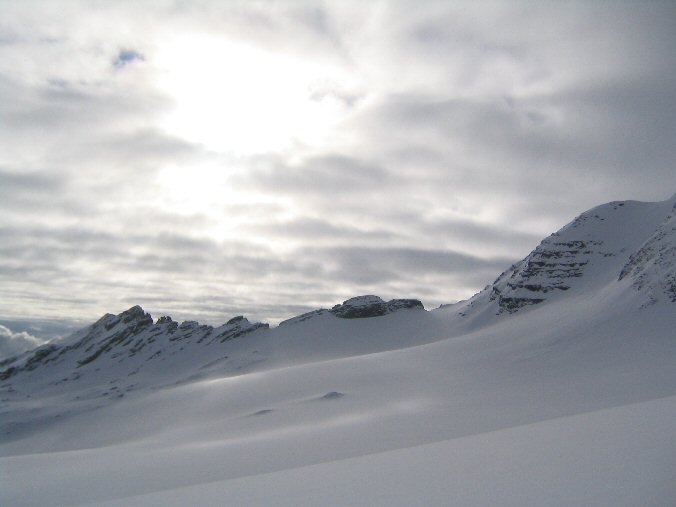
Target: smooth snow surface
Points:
(612, 457)
(500, 400)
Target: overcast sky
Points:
(209, 159)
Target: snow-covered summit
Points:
(602, 245)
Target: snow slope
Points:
(594, 459)
(498, 400)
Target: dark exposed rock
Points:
(360, 307)
(137, 315)
(372, 306)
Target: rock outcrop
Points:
(360, 307)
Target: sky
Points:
(208, 159)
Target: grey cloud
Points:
(605, 148)
(61, 248)
(85, 153)
(632, 121)
(395, 262)
(90, 108)
(320, 230)
(476, 236)
(314, 16)
(334, 174)
(15, 185)
(142, 146)
(339, 188)
(57, 104)
(366, 211)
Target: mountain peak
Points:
(617, 239)
(134, 310)
(134, 316)
(134, 313)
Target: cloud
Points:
(319, 231)
(329, 174)
(447, 272)
(12, 343)
(26, 189)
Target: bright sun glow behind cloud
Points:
(243, 100)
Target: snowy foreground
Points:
(555, 386)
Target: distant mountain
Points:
(121, 353)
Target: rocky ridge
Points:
(106, 358)
(360, 307)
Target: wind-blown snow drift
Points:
(554, 385)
